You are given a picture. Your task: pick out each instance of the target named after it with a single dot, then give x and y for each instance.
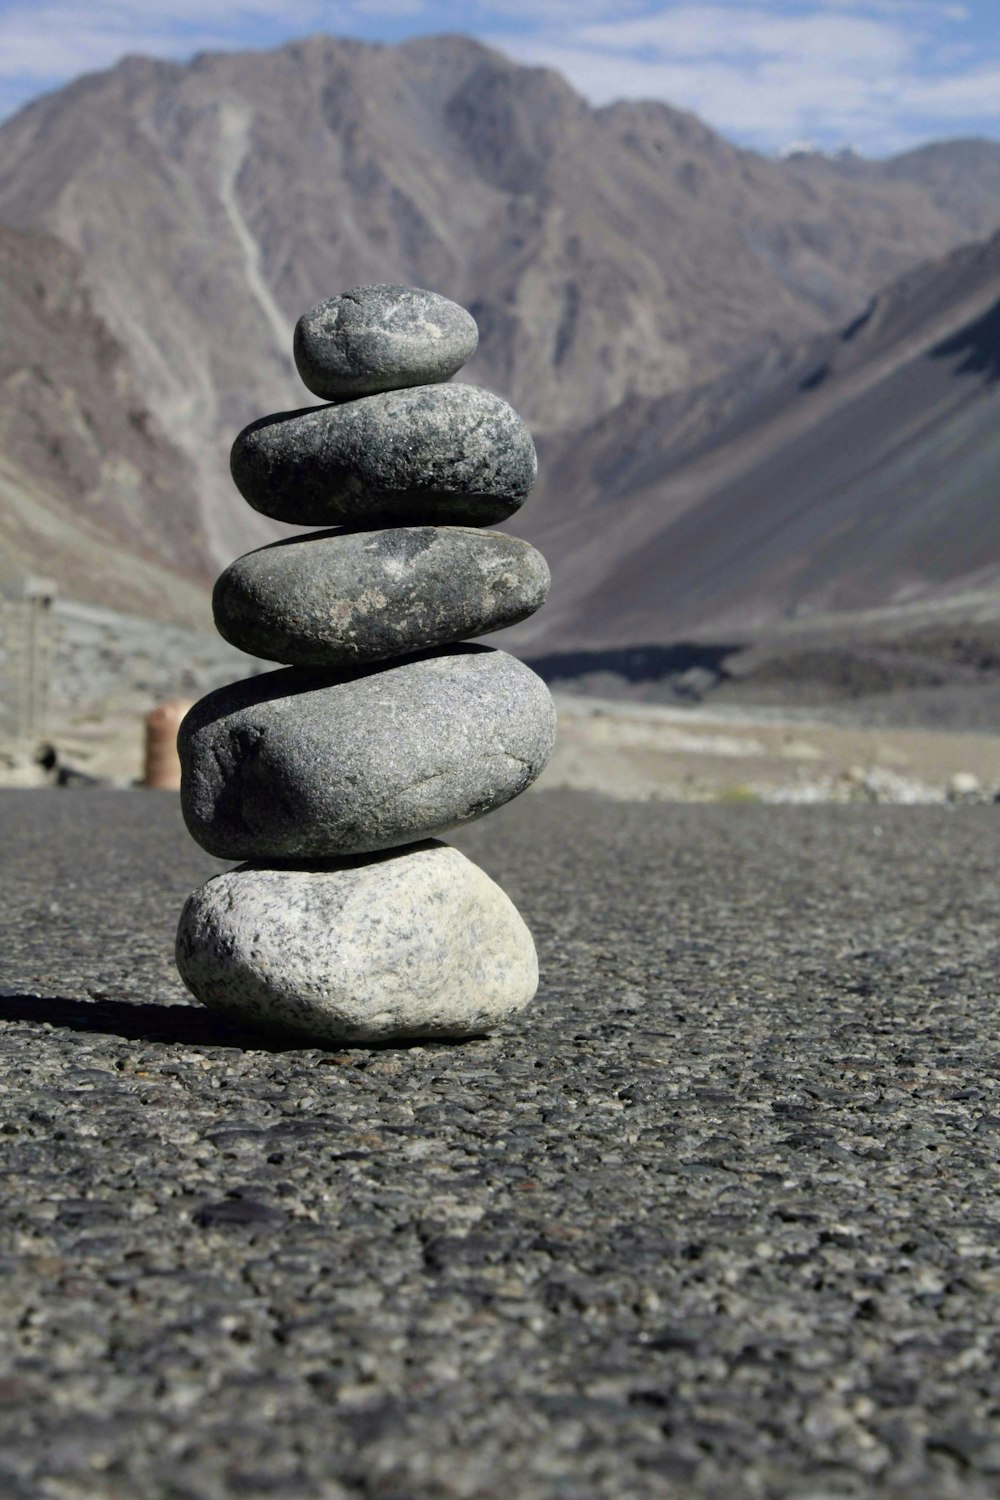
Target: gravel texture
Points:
(337, 598)
(718, 1216)
(439, 455)
(416, 943)
(306, 764)
(376, 338)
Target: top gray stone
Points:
(380, 338)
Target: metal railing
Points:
(26, 643)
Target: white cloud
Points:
(961, 96)
(712, 31)
(779, 101)
(871, 73)
(388, 7)
(49, 43)
(876, 73)
(927, 9)
(545, 12)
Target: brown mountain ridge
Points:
(645, 290)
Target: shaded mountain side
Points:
(860, 470)
(610, 255)
(43, 534)
(945, 675)
(91, 492)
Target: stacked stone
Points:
(333, 777)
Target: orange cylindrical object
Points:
(162, 769)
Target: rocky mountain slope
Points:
(611, 255)
(856, 473)
(92, 493)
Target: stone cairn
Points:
(333, 777)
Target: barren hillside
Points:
(92, 493)
(609, 255)
(858, 471)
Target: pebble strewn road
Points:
(720, 1218)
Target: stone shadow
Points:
(181, 1025)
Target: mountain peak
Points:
(612, 257)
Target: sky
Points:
(878, 76)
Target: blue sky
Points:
(879, 75)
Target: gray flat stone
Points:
(417, 943)
(451, 454)
(336, 599)
(377, 338)
(303, 763)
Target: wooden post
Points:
(162, 766)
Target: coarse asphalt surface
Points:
(719, 1217)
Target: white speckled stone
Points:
(304, 763)
(378, 338)
(417, 943)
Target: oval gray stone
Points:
(302, 763)
(377, 338)
(340, 598)
(451, 454)
(418, 943)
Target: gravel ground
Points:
(719, 1218)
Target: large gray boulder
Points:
(336, 599)
(416, 943)
(302, 763)
(438, 454)
(377, 338)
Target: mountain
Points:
(91, 491)
(854, 477)
(961, 177)
(613, 257)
